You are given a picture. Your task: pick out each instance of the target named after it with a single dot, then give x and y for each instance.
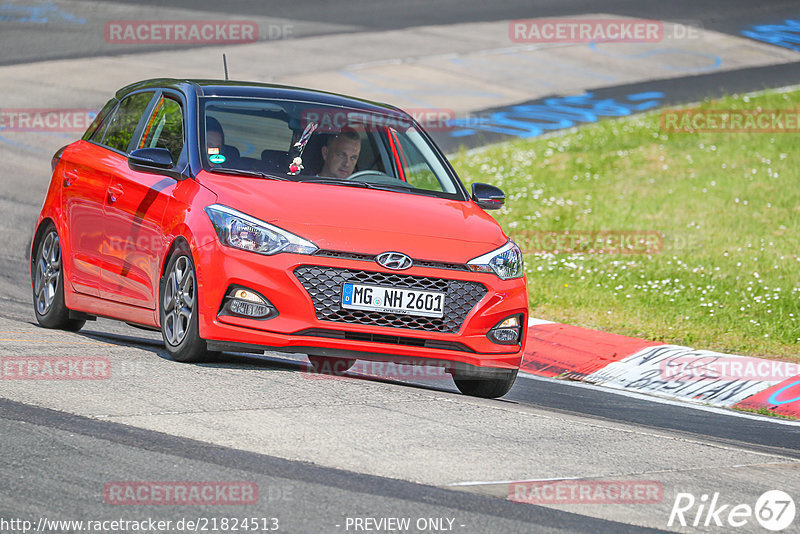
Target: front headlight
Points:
(237, 230)
(505, 262)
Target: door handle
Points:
(114, 192)
(70, 177)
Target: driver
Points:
(340, 154)
(215, 139)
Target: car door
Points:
(87, 168)
(133, 238)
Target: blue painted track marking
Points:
(531, 120)
(714, 60)
(786, 35)
(38, 13)
(773, 399)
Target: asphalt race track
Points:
(342, 454)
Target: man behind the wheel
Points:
(340, 154)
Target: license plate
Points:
(393, 300)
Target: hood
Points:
(366, 221)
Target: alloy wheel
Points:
(48, 272)
(179, 301)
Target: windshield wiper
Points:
(392, 187)
(255, 174)
(399, 187)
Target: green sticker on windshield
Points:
(216, 158)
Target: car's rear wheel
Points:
(179, 311)
(48, 285)
(488, 388)
(330, 366)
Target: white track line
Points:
(661, 400)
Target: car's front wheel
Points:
(179, 311)
(48, 285)
(488, 388)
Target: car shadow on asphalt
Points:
(254, 362)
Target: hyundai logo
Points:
(394, 260)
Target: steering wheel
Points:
(369, 172)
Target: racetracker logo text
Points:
(725, 368)
(181, 493)
(330, 120)
(587, 492)
(46, 120)
(585, 31)
(591, 242)
(422, 370)
(180, 32)
(730, 121)
(55, 368)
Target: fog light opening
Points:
(507, 332)
(243, 302)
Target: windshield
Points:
(316, 143)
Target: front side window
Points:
(120, 129)
(326, 144)
(164, 128)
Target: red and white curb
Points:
(654, 368)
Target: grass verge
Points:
(725, 274)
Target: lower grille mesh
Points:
(324, 285)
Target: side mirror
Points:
(488, 196)
(154, 161)
(150, 160)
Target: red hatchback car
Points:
(250, 217)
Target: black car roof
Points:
(223, 88)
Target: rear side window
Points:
(95, 130)
(165, 128)
(120, 129)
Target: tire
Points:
(178, 311)
(330, 366)
(487, 388)
(47, 283)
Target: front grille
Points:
(324, 285)
(371, 257)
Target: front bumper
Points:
(458, 341)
